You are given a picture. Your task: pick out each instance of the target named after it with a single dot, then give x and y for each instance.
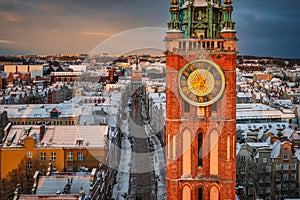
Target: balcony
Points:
(192, 46)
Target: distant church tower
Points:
(201, 50)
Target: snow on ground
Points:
(121, 188)
(158, 163)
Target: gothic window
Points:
(200, 150)
(200, 195)
(186, 193)
(174, 147)
(214, 157)
(186, 161)
(214, 193)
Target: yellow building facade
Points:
(69, 148)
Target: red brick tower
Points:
(201, 49)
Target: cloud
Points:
(8, 17)
(268, 29)
(6, 42)
(89, 33)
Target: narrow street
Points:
(142, 179)
(141, 171)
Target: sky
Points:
(264, 28)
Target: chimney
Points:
(42, 132)
(273, 139)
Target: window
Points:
(43, 156)
(277, 177)
(278, 187)
(278, 166)
(70, 156)
(214, 107)
(43, 170)
(242, 170)
(29, 154)
(54, 115)
(285, 166)
(183, 45)
(186, 107)
(243, 158)
(285, 156)
(200, 150)
(293, 176)
(200, 194)
(285, 176)
(284, 186)
(70, 168)
(293, 166)
(80, 156)
(268, 168)
(53, 156)
(29, 166)
(268, 190)
(190, 45)
(264, 160)
(268, 179)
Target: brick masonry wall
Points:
(224, 122)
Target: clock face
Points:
(201, 82)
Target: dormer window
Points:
(54, 113)
(79, 142)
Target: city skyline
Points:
(49, 27)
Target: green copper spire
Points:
(174, 23)
(201, 18)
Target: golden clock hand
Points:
(206, 72)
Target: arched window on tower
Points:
(214, 193)
(200, 150)
(228, 147)
(200, 194)
(186, 193)
(214, 153)
(186, 148)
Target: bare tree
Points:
(22, 175)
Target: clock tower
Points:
(201, 49)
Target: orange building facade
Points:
(68, 148)
(201, 49)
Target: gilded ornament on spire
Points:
(174, 2)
